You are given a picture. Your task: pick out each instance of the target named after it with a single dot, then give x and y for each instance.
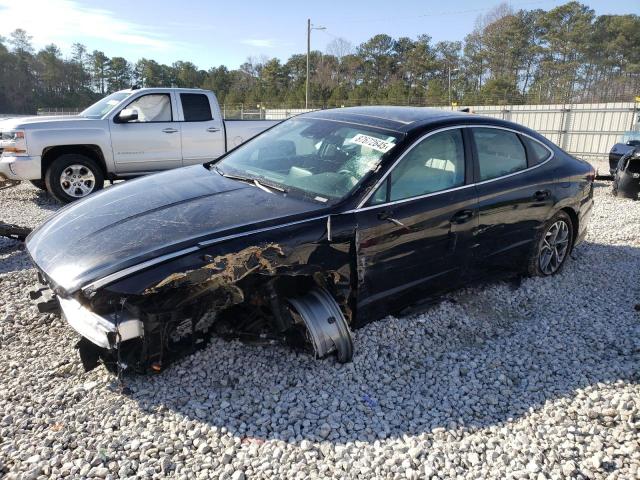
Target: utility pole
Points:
(449, 75)
(306, 87)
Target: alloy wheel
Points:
(77, 181)
(554, 248)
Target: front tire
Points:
(73, 176)
(552, 246)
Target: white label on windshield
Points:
(373, 142)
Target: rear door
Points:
(153, 141)
(515, 185)
(202, 133)
(414, 232)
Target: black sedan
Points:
(323, 223)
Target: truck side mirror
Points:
(126, 115)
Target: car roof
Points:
(407, 120)
(399, 119)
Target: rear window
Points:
(536, 152)
(500, 152)
(196, 107)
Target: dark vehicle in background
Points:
(628, 141)
(626, 180)
(320, 225)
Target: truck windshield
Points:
(324, 159)
(104, 106)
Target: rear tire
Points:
(38, 184)
(73, 176)
(552, 246)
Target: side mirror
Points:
(126, 115)
(634, 143)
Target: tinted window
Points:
(196, 107)
(152, 108)
(500, 152)
(436, 163)
(536, 151)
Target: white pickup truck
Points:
(126, 134)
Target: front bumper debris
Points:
(14, 231)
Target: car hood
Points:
(141, 219)
(40, 121)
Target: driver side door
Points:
(150, 143)
(414, 234)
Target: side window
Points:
(196, 107)
(155, 107)
(536, 152)
(500, 152)
(435, 164)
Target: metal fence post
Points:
(566, 127)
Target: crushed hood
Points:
(141, 219)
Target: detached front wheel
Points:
(552, 247)
(73, 176)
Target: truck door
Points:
(202, 134)
(152, 142)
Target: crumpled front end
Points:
(265, 293)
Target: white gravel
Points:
(539, 381)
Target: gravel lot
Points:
(539, 381)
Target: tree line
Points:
(564, 55)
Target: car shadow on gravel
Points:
(13, 257)
(45, 201)
(483, 357)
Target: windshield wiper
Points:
(251, 181)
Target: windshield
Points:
(104, 106)
(321, 158)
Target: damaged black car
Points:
(316, 227)
(626, 179)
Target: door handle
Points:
(169, 130)
(213, 129)
(541, 195)
(386, 215)
(463, 216)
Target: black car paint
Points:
(618, 151)
(372, 259)
(626, 181)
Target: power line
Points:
(433, 14)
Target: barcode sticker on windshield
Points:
(373, 142)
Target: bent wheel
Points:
(326, 328)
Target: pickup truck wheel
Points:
(38, 184)
(73, 176)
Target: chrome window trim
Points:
(361, 207)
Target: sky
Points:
(211, 33)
